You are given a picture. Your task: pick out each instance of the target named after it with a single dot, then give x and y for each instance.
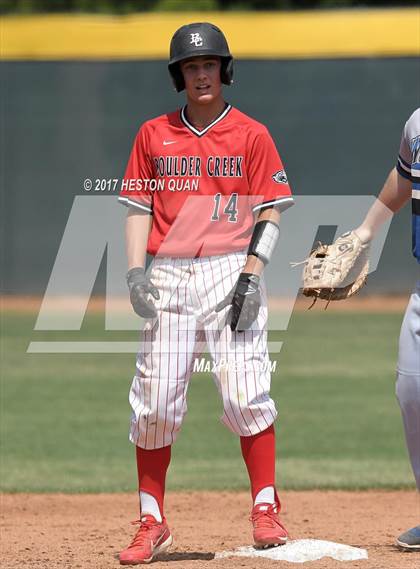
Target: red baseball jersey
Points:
(203, 187)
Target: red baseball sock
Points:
(151, 469)
(259, 452)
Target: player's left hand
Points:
(245, 299)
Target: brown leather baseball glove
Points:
(337, 271)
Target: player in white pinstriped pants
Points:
(211, 238)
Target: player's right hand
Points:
(140, 287)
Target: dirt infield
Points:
(87, 531)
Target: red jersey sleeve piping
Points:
(127, 202)
(282, 203)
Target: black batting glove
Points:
(140, 287)
(245, 299)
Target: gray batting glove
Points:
(245, 299)
(140, 286)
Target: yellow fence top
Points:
(342, 33)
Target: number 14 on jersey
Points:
(231, 208)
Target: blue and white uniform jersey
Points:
(408, 166)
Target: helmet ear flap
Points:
(226, 72)
(177, 77)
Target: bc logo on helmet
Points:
(196, 39)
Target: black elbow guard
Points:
(263, 240)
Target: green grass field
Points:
(64, 418)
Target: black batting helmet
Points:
(197, 39)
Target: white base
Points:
(301, 550)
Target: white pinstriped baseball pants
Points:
(187, 326)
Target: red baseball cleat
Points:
(268, 529)
(151, 538)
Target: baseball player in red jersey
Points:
(205, 187)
